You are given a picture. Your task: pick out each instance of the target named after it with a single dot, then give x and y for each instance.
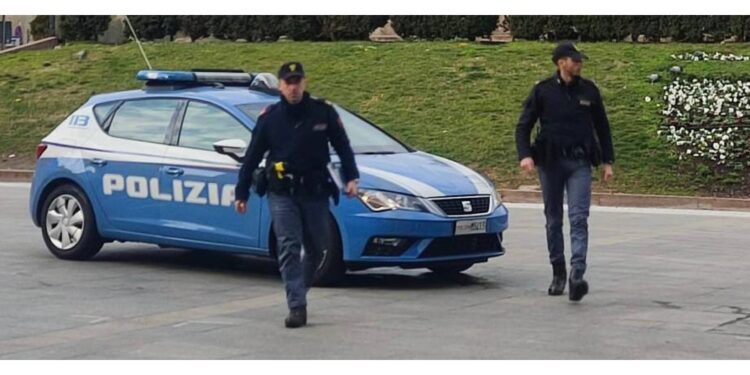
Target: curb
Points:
(16, 175)
(535, 196)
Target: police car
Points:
(158, 165)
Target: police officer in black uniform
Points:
(296, 132)
(574, 135)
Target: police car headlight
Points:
(379, 201)
(496, 198)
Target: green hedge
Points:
(153, 27)
(327, 28)
(40, 28)
(260, 28)
(349, 27)
(607, 28)
(444, 27)
(83, 27)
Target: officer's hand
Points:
(527, 164)
(352, 188)
(607, 173)
(240, 206)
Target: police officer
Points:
(296, 132)
(574, 135)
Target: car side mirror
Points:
(234, 148)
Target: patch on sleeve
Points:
(264, 111)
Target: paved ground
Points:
(665, 284)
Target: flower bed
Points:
(702, 56)
(706, 119)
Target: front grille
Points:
(458, 206)
(464, 245)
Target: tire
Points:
(331, 268)
(68, 224)
(451, 270)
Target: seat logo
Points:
(467, 206)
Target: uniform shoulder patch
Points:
(267, 109)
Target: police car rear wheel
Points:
(69, 229)
(452, 269)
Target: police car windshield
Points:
(365, 138)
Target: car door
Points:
(204, 213)
(124, 162)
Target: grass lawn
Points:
(456, 99)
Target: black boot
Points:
(559, 274)
(296, 318)
(578, 286)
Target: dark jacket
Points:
(297, 135)
(573, 122)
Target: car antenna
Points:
(139, 43)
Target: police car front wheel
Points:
(68, 224)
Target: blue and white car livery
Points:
(159, 165)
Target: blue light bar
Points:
(165, 76)
(224, 77)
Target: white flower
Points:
(648, 99)
(716, 146)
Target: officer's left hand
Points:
(352, 188)
(607, 173)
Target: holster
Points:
(279, 183)
(260, 181)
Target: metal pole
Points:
(138, 42)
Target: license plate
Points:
(470, 227)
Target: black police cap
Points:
(291, 69)
(567, 49)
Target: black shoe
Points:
(578, 289)
(559, 274)
(296, 318)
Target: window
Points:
(101, 111)
(205, 124)
(143, 120)
(253, 110)
(363, 136)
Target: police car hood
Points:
(419, 174)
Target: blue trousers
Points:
(573, 176)
(295, 219)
